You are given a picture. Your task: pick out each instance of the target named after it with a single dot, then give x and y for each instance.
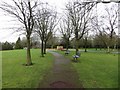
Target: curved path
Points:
(62, 75)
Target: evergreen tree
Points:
(18, 44)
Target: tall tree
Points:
(80, 14)
(45, 24)
(23, 11)
(52, 22)
(66, 30)
(107, 26)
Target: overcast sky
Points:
(7, 22)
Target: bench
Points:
(67, 52)
(75, 57)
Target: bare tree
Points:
(23, 11)
(106, 26)
(79, 13)
(110, 25)
(66, 30)
(45, 24)
(52, 22)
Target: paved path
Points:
(63, 75)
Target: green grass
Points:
(15, 75)
(96, 70)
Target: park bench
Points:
(67, 52)
(75, 57)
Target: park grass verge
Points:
(96, 70)
(16, 75)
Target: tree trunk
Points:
(42, 49)
(85, 47)
(67, 46)
(76, 44)
(29, 62)
(85, 44)
(45, 47)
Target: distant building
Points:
(59, 47)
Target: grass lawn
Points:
(96, 70)
(15, 75)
